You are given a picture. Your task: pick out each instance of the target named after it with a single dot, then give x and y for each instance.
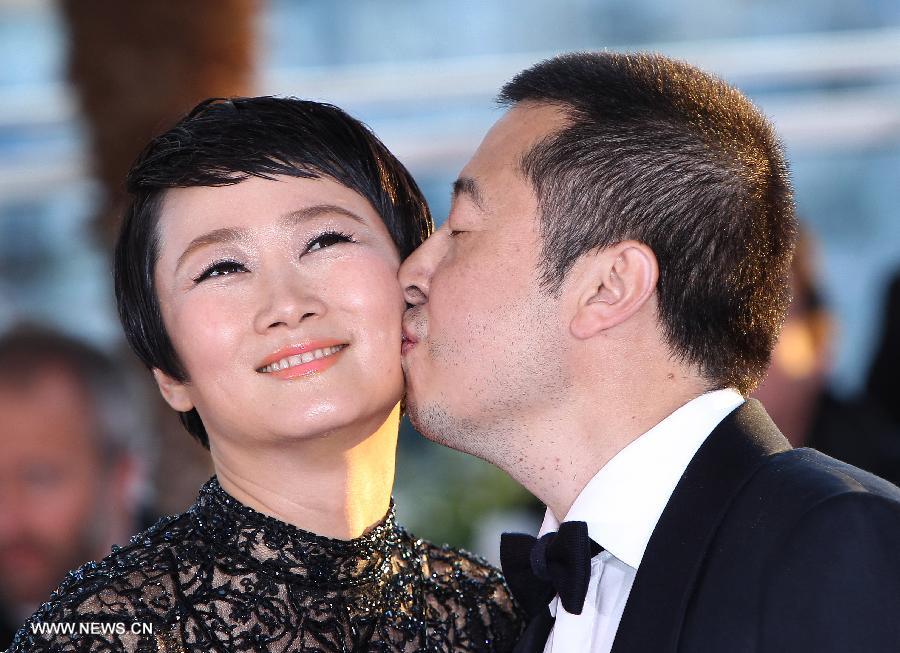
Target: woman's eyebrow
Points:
(231, 234)
(214, 237)
(308, 212)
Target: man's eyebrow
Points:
(214, 237)
(470, 187)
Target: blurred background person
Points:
(73, 464)
(796, 391)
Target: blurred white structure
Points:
(434, 113)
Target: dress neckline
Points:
(279, 549)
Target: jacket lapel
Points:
(664, 583)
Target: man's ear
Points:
(174, 392)
(612, 284)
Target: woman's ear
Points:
(174, 392)
(613, 284)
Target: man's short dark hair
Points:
(223, 142)
(660, 152)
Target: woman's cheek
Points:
(206, 331)
(381, 306)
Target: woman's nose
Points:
(287, 301)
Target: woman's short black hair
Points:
(223, 142)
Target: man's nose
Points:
(416, 271)
(286, 301)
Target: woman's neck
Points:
(338, 485)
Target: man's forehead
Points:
(514, 134)
(53, 396)
(49, 381)
(545, 116)
(527, 123)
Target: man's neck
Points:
(337, 485)
(560, 454)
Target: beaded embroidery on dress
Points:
(223, 577)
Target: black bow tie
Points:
(538, 569)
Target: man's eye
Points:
(220, 269)
(455, 232)
(43, 476)
(327, 240)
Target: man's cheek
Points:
(60, 515)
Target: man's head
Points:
(224, 143)
(69, 471)
(627, 206)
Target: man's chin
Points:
(435, 423)
(414, 414)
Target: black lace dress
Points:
(223, 577)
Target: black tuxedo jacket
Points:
(763, 549)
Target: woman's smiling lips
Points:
(300, 360)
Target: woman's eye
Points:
(327, 240)
(220, 269)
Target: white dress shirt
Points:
(622, 504)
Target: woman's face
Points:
(281, 299)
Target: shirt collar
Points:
(623, 501)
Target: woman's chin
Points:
(348, 419)
(339, 427)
